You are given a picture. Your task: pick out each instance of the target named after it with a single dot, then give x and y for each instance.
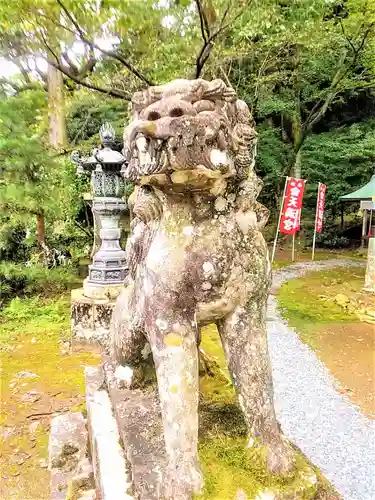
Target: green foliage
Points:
(331, 237)
(18, 280)
(342, 158)
(30, 175)
(87, 112)
(272, 164)
(332, 240)
(22, 310)
(30, 182)
(13, 239)
(36, 181)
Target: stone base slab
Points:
(140, 426)
(97, 291)
(112, 474)
(90, 318)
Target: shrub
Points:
(331, 237)
(19, 280)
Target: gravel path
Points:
(323, 423)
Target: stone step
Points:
(70, 468)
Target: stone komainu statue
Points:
(196, 255)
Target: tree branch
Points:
(321, 106)
(112, 92)
(108, 53)
(226, 13)
(87, 68)
(69, 62)
(205, 28)
(208, 37)
(345, 35)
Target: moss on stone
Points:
(173, 340)
(33, 330)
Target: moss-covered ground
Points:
(332, 314)
(284, 256)
(40, 377)
(227, 464)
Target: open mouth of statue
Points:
(151, 156)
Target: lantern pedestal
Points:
(108, 270)
(90, 318)
(370, 270)
(101, 292)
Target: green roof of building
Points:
(367, 192)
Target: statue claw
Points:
(184, 481)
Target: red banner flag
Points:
(320, 207)
(292, 206)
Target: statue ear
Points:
(243, 113)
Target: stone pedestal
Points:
(370, 270)
(91, 317)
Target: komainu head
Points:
(188, 132)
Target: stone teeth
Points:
(141, 143)
(218, 157)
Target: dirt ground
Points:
(348, 350)
(332, 313)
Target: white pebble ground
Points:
(322, 422)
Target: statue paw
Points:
(128, 377)
(184, 480)
(280, 458)
(276, 455)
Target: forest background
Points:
(306, 68)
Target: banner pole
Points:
(316, 218)
(278, 224)
(370, 225)
(293, 244)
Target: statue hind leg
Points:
(244, 338)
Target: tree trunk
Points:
(40, 229)
(57, 139)
(56, 109)
(41, 236)
(297, 165)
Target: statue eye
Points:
(176, 112)
(153, 115)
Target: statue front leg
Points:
(173, 342)
(128, 344)
(244, 337)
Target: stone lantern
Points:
(108, 269)
(92, 305)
